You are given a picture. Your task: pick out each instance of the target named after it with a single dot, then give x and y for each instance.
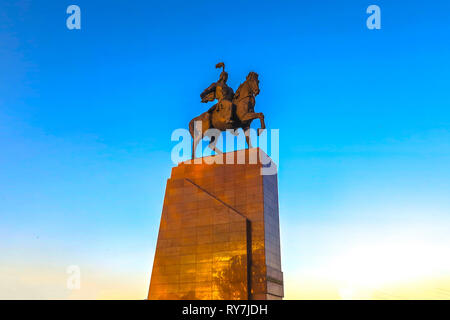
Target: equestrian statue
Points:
(232, 110)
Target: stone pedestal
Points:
(219, 233)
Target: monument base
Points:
(219, 234)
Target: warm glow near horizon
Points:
(398, 267)
(402, 266)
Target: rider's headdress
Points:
(221, 65)
(223, 74)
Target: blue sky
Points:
(86, 118)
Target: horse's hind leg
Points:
(195, 142)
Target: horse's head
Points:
(253, 83)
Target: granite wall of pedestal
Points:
(219, 234)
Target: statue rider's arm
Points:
(207, 91)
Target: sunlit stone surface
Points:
(219, 234)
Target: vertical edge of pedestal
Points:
(274, 280)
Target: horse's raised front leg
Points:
(255, 115)
(261, 118)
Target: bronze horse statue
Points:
(243, 113)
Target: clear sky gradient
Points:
(86, 118)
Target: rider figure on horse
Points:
(223, 93)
